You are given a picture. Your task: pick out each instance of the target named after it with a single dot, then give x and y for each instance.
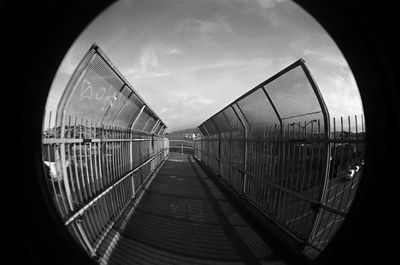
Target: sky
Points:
(188, 59)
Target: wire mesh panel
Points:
(234, 121)
(95, 162)
(294, 96)
(221, 122)
(210, 127)
(258, 110)
(128, 111)
(96, 93)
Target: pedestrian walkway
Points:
(185, 219)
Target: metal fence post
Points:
(65, 175)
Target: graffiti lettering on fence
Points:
(88, 92)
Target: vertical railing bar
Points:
(269, 164)
(97, 214)
(107, 150)
(266, 188)
(336, 192)
(86, 224)
(131, 149)
(89, 219)
(280, 171)
(290, 175)
(263, 169)
(81, 165)
(109, 171)
(76, 234)
(127, 151)
(316, 191)
(320, 231)
(258, 182)
(274, 163)
(357, 140)
(286, 173)
(117, 149)
(53, 148)
(104, 205)
(100, 156)
(96, 153)
(272, 191)
(306, 210)
(303, 173)
(76, 163)
(294, 182)
(330, 188)
(355, 179)
(250, 159)
(86, 163)
(309, 189)
(65, 176)
(350, 157)
(70, 171)
(115, 166)
(121, 163)
(296, 171)
(93, 188)
(123, 152)
(261, 188)
(112, 157)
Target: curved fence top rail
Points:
(97, 91)
(286, 98)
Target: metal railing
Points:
(100, 150)
(95, 172)
(281, 171)
(183, 147)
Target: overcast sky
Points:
(190, 58)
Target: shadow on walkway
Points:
(185, 219)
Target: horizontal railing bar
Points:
(305, 141)
(87, 140)
(298, 195)
(179, 146)
(192, 142)
(84, 208)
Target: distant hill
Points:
(182, 134)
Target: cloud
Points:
(148, 59)
(341, 95)
(326, 55)
(232, 63)
(215, 26)
(148, 64)
(173, 51)
(264, 9)
(266, 4)
(263, 4)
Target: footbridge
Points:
(270, 174)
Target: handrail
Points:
(84, 208)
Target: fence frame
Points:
(285, 139)
(96, 169)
